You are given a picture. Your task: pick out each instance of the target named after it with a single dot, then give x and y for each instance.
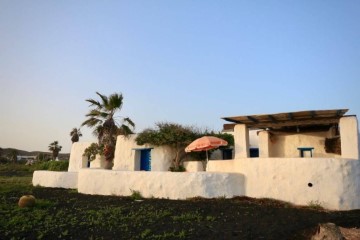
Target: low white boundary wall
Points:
(55, 179)
(194, 166)
(335, 183)
(170, 185)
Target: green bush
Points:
(178, 169)
(136, 195)
(52, 166)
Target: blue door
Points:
(145, 160)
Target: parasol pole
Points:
(207, 160)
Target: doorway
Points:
(145, 160)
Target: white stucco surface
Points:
(55, 179)
(286, 145)
(349, 137)
(161, 158)
(241, 141)
(170, 185)
(98, 162)
(77, 160)
(127, 155)
(335, 182)
(264, 148)
(194, 166)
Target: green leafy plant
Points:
(178, 169)
(173, 135)
(315, 205)
(93, 150)
(51, 166)
(136, 195)
(177, 137)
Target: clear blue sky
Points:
(190, 62)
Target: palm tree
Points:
(106, 126)
(55, 148)
(75, 134)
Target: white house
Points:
(304, 157)
(308, 156)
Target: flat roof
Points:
(288, 119)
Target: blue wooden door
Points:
(145, 160)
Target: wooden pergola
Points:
(289, 120)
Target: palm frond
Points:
(91, 122)
(129, 121)
(93, 103)
(97, 113)
(115, 102)
(105, 100)
(124, 130)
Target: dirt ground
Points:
(238, 218)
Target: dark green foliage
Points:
(178, 137)
(18, 169)
(55, 148)
(51, 166)
(102, 119)
(136, 195)
(227, 137)
(173, 135)
(75, 134)
(93, 150)
(181, 168)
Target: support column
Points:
(264, 141)
(241, 139)
(349, 136)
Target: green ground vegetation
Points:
(70, 217)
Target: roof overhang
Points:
(289, 119)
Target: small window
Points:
(227, 153)
(254, 152)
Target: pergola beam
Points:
(305, 122)
(272, 119)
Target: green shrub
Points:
(315, 205)
(136, 195)
(93, 150)
(178, 169)
(52, 166)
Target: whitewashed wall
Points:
(55, 179)
(349, 133)
(335, 182)
(194, 166)
(172, 185)
(98, 162)
(285, 146)
(127, 155)
(77, 160)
